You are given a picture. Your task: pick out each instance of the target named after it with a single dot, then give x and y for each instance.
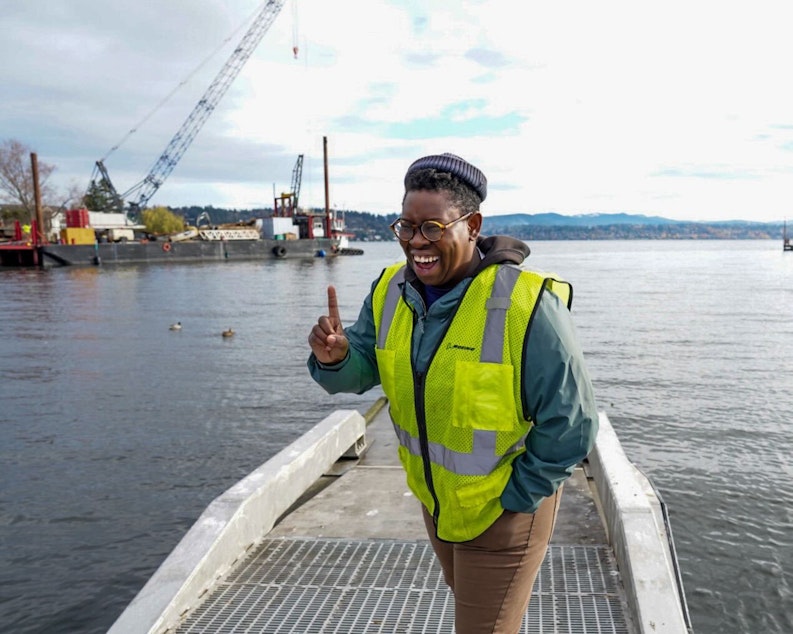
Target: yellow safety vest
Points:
(462, 423)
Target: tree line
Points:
(17, 194)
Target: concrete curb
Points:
(638, 536)
(234, 522)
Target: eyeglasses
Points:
(432, 230)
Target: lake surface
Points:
(116, 432)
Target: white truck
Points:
(120, 234)
(112, 227)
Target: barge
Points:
(301, 236)
(54, 255)
(326, 537)
(101, 238)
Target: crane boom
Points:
(190, 128)
(297, 178)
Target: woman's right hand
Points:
(327, 339)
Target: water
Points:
(116, 432)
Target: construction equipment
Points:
(178, 145)
(285, 205)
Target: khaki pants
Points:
(492, 575)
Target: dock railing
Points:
(639, 536)
(236, 520)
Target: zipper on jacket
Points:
(421, 420)
(419, 394)
(418, 405)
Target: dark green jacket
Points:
(556, 385)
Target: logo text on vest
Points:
(457, 346)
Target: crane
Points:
(286, 203)
(178, 145)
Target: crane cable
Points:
(295, 47)
(181, 84)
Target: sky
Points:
(681, 109)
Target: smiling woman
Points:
(482, 411)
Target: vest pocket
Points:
(483, 397)
(483, 490)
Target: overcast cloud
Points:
(682, 109)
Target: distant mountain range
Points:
(543, 226)
(621, 226)
(597, 220)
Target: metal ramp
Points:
(324, 586)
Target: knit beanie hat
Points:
(456, 166)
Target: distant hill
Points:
(602, 220)
(544, 226)
(583, 220)
(622, 226)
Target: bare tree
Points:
(16, 177)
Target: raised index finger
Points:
(333, 305)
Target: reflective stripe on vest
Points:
(497, 306)
(481, 461)
(391, 300)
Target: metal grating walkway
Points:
(307, 586)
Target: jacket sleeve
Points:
(357, 372)
(559, 397)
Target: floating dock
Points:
(326, 537)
